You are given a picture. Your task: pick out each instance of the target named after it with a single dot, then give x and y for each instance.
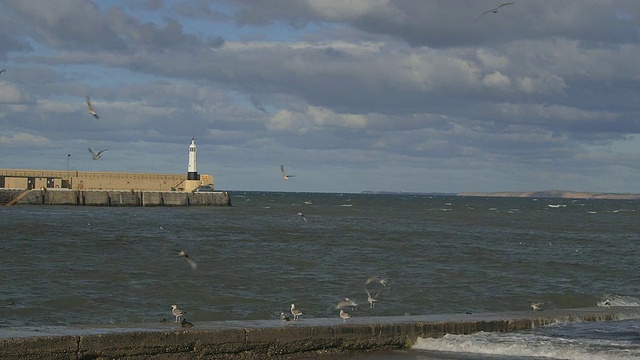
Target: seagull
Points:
(186, 324)
(303, 217)
(3, 70)
(284, 173)
(177, 312)
(284, 317)
(91, 110)
(607, 303)
(186, 256)
(346, 303)
(375, 279)
(295, 312)
(344, 315)
(536, 306)
(371, 299)
(494, 11)
(97, 155)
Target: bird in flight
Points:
(97, 155)
(92, 111)
(284, 173)
(495, 10)
(303, 217)
(192, 263)
(3, 70)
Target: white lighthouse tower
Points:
(192, 171)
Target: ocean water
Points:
(67, 265)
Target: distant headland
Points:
(555, 194)
(551, 194)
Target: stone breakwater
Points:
(273, 339)
(112, 198)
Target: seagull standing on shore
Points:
(284, 173)
(177, 312)
(495, 10)
(344, 315)
(189, 260)
(92, 111)
(295, 312)
(97, 155)
(284, 317)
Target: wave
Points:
(516, 345)
(619, 300)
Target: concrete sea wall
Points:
(271, 339)
(112, 198)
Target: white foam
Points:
(620, 300)
(527, 345)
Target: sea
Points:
(79, 265)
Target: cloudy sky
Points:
(348, 95)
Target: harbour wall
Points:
(112, 198)
(272, 339)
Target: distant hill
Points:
(555, 194)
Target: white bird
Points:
(371, 299)
(177, 312)
(346, 303)
(284, 317)
(344, 315)
(284, 173)
(192, 263)
(375, 279)
(303, 217)
(495, 10)
(295, 312)
(92, 111)
(97, 155)
(536, 306)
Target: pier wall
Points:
(270, 339)
(112, 198)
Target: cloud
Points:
(369, 88)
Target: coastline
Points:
(555, 194)
(272, 339)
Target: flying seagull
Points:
(3, 70)
(376, 279)
(303, 217)
(97, 155)
(284, 173)
(371, 299)
(347, 303)
(536, 306)
(91, 109)
(494, 11)
(186, 256)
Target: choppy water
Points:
(93, 265)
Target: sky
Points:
(348, 95)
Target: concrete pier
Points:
(270, 339)
(112, 198)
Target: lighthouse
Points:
(192, 171)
